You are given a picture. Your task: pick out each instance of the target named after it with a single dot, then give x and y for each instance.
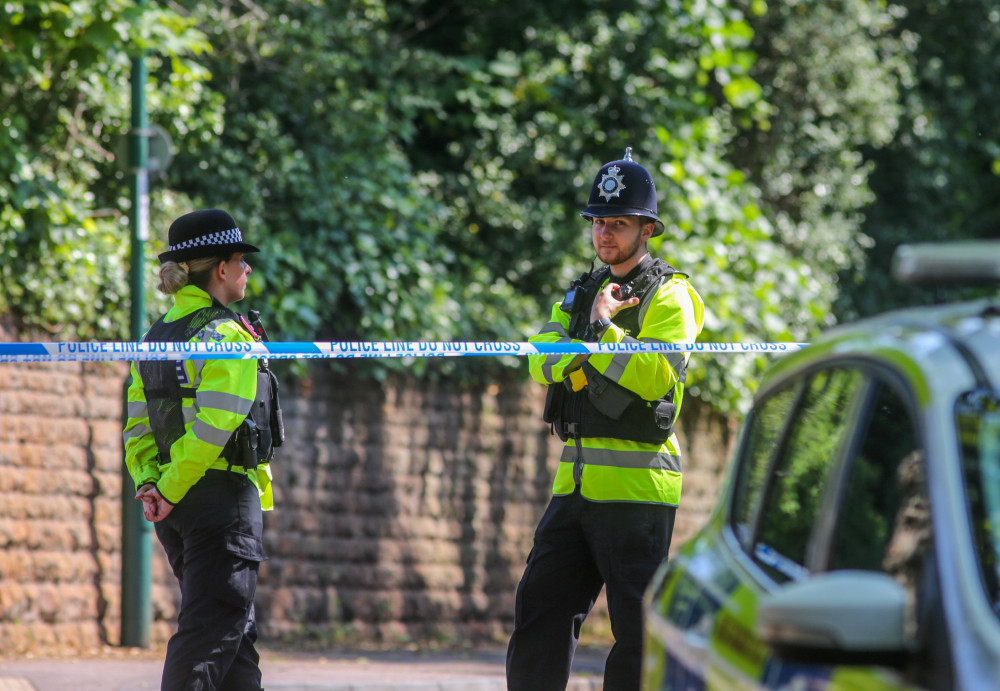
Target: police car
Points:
(856, 542)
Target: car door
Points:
(840, 489)
(688, 592)
(796, 437)
(876, 519)
(702, 610)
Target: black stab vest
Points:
(604, 408)
(255, 438)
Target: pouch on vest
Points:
(261, 414)
(247, 443)
(610, 398)
(664, 415)
(274, 422)
(277, 420)
(562, 410)
(263, 429)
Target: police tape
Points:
(109, 351)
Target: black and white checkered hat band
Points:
(223, 237)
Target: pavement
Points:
(135, 670)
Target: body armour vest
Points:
(253, 441)
(604, 408)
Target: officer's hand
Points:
(606, 305)
(154, 507)
(143, 494)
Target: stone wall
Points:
(60, 478)
(405, 509)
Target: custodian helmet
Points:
(623, 188)
(204, 233)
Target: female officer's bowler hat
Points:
(623, 188)
(204, 233)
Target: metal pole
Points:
(137, 544)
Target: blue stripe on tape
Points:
(292, 348)
(561, 347)
(23, 349)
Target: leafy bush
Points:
(414, 170)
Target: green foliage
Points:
(938, 179)
(830, 79)
(829, 74)
(307, 157)
(561, 93)
(414, 170)
(63, 99)
(423, 179)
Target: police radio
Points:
(276, 421)
(573, 292)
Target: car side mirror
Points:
(839, 617)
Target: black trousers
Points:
(579, 547)
(213, 543)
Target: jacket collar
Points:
(188, 299)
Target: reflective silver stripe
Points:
(137, 431)
(221, 400)
(677, 361)
(553, 328)
(209, 434)
(137, 409)
(616, 369)
(198, 366)
(550, 362)
(553, 359)
(618, 364)
(651, 460)
(574, 364)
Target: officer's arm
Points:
(224, 397)
(140, 446)
(547, 369)
(675, 315)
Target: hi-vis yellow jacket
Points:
(618, 469)
(225, 392)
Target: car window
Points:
(883, 504)
(763, 434)
(978, 420)
(789, 512)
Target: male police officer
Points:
(618, 482)
(198, 440)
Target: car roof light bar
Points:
(957, 263)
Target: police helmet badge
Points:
(611, 184)
(610, 196)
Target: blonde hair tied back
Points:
(173, 277)
(176, 275)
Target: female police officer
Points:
(198, 440)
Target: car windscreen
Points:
(978, 423)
